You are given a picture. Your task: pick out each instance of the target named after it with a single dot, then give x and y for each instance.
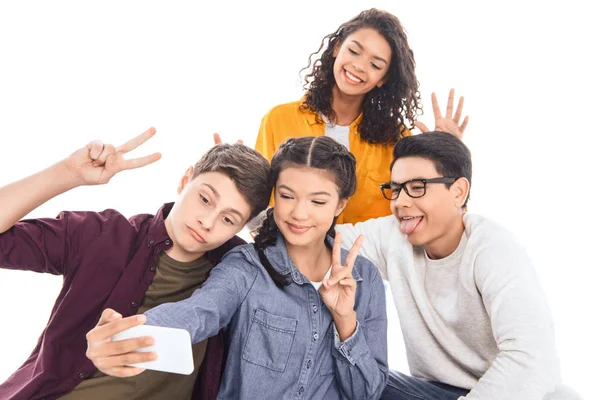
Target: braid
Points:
(267, 236)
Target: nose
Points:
(300, 211)
(359, 64)
(208, 219)
(403, 200)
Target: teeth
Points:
(352, 77)
(410, 217)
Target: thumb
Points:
(95, 149)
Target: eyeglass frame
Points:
(387, 185)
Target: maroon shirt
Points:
(107, 261)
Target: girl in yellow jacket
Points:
(363, 92)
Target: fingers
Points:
(459, 109)
(111, 328)
(107, 316)
(349, 285)
(450, 104)
(217, 138)
(436, 107)
(95, 148)
(240, 141)
(141, 161)
(464, 124)
(106, 355)
(422, 127)
(136, 141)
(353, 253)
(336, 251)
(123, 372)
(108, 150)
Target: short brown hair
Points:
(248, 169)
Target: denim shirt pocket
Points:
(327, 366)
(269, 340)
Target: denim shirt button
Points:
(300, 390)
(315, 336)
(315, 308)
(308, 364)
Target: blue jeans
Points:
(404, 387)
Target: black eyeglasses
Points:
(415, 188)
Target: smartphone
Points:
(173, 348)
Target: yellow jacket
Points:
(372, 160)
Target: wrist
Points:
(345, 325)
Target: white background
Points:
(73, 71)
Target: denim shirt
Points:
(283, 343)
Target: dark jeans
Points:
(404, 387)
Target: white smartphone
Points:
(173, 348)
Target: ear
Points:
(185, 179)
(340, 207)
(460, 190)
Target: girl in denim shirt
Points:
(306, 318)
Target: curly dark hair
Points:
(386, 110)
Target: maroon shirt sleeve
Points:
(50, 244)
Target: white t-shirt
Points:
(340, 134)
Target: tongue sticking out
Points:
(409, 225)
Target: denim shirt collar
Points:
(282, 262)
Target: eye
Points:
(285, 196)
(378, 68)
(319, 202)
(228, 221)
(352, 51)
(204, 200)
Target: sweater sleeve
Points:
(526, 366)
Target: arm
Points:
(361, 360)
(44, 245)
(374, 247)
(93, 164)
(203, 314)
(210, 308)
(361, 368)
(526, 366)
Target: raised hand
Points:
(111, 357)
(339, 290)
(217, 139)
(97, 163)
(447, 123)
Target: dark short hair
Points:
(248, 169)
(448, 153)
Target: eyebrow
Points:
(383, 60)
(218, 196)
(310, 194)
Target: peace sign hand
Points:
(339, 290)
(97, 163)
(448, 123)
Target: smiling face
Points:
(210, 210)
(432, 220)
(306, 202)
(362, 62)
